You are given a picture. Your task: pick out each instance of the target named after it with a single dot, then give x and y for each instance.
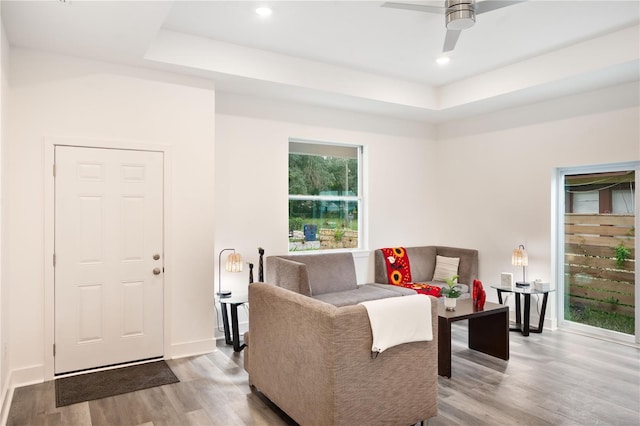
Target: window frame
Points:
(558, 203)
(358, 199)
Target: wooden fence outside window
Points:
(592, 275)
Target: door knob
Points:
(156, 271)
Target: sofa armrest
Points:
(314, 361)
(380, 268)
(288, 274)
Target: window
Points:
(596, 250)
(325, 196)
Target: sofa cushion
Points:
(362, 293)
(423, 262)
(446, 267)
(400, 290)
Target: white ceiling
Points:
(352, 54)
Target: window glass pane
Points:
(586, 202)
(322, 175)
(322, 224)
(323, 150)
(623, 201)
(599, 251)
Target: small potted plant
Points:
(451, 293)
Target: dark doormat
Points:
(102, 384)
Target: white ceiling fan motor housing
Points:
(460, 14)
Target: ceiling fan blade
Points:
(416, 7)
(489, 5)
(450, 40)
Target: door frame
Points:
(558, 209)
(50, 144)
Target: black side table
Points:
(523, 322)
(233, 301)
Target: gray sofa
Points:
(309, 341)
(422, 260)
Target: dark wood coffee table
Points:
(488, 331)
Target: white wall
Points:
(56, 96)
(497, 171)
(4, 288)
(252, 138)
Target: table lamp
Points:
(520, 258)
(234, 264)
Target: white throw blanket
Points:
(398, 320)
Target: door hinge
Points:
(54, 349)
(54, 259)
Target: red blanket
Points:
(431, 290)
(398, 268)
(399, 271)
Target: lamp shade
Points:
(519, 257)
(234, 262)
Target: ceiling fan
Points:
(459, 14)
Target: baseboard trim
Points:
(27, 376)
(17, 378)
(242, 327)
(199, 347)
(7, 398)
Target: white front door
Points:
(108, 257)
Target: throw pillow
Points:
(446, 267)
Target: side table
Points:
(233, 301)
(523, 322)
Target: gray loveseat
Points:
(309, 342)
(422, 261)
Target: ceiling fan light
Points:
(461, 19)
(263, 11)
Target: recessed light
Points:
(263, 11)
(443, 60)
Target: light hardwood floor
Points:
(554, 378)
